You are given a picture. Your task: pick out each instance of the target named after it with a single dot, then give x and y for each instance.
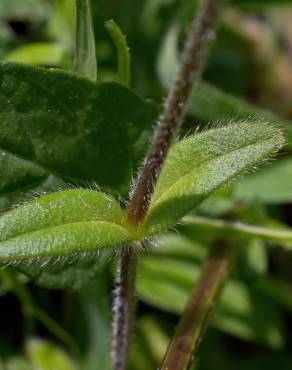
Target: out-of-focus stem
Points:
(195, 317)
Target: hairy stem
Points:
(123, 307)
(194, 320)
(199, 37)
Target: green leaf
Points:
(95, 322)
(166, 283)
(70, 125)
(61, 224)
(63, 275)
(178, 246)
(40, 53)
(59, 275)
(279, 291)
(200, 164)
(26, 189)
(149, 346)
(17, 363)
(85, 55)
(47, 356)
(61, 25)
(255, 258)
(168, 57)
(18, 173)
(271, 185)
(210, 104)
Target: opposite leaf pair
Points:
(76, 222)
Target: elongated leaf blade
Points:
(39, 53)
(61, 241)
(200, 164)
(45, 355)
(69, 206)
(71, 126)
(61, 224)
(85, 55)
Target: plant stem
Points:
(123, 307)
(200, 35)
(236, 228)
(195, 318)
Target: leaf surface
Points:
(39, 53)
(198, 165)
(46, 356)
(71, 126)
(61, 224)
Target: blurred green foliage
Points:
(249, 74)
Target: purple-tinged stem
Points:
(123, 307)
(200, 35)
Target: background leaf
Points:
(65, 274)
(70, 125)
(211, 104)
(166, 282)
(19, 8)
(40, 53)
(47, 356)
(271, 185)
